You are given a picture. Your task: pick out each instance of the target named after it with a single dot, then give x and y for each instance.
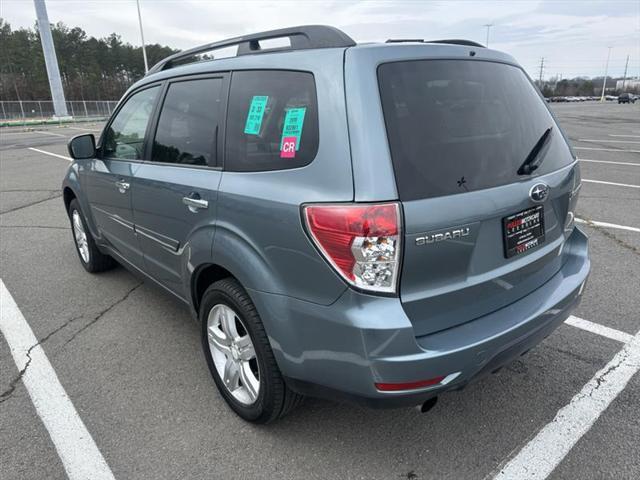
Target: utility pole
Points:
(50, 60)
(541, 70)
(488, 26)
(624, 78)
(606, 72)
(144, 49)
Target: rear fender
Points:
(235, 253)
(195, 255)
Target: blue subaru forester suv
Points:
(379, 223)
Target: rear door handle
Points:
(122, 186)
(194, 203)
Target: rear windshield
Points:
(456, 126)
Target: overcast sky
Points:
(571, 35)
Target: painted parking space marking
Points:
(594, 223)
(598, 329)
(42, 132)
(611, 183)
(539, 457)
(85, 129)
(618, 135)
(68, 159)
(589, 160)
(32, 132)
(2, 133)
(607, 149)
(607, 141)
(76, 448)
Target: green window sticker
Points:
(293, 122)
(255, 114)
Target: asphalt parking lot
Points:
(128, 357)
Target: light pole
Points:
(144, 50)
(488, 26)
(624, 78)
(606, 71)
(50, 60)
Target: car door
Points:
(174, 193)
(107, 179)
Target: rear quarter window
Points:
(272, 122)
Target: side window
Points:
(187, 129)
(125, 137)
(272, 122)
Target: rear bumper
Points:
(342, 350)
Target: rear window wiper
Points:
(530, 164)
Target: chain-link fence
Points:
(43, 109)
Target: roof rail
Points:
(455, 41)
(301, 38)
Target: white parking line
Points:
(49, 133)
(68, 159)
(611, 183)
(608, 161)
(593, 223)
(77, 450)
(3, 132)
(606, 141)
(598, 329)
(539, 457)
(606, 149)
(630, 136)
(86, 129)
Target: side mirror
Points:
(82, 147)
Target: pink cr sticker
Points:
(288, 147)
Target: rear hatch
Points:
(478, 234)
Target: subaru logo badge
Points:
(539, 192)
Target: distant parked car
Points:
(626, 98)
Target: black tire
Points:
(98, 261)
(275, 399)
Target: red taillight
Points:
(361, 241)
(396, 387)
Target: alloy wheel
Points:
(233, 354)
(80, 236)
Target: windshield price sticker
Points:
(293, 123)
(256, 114)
